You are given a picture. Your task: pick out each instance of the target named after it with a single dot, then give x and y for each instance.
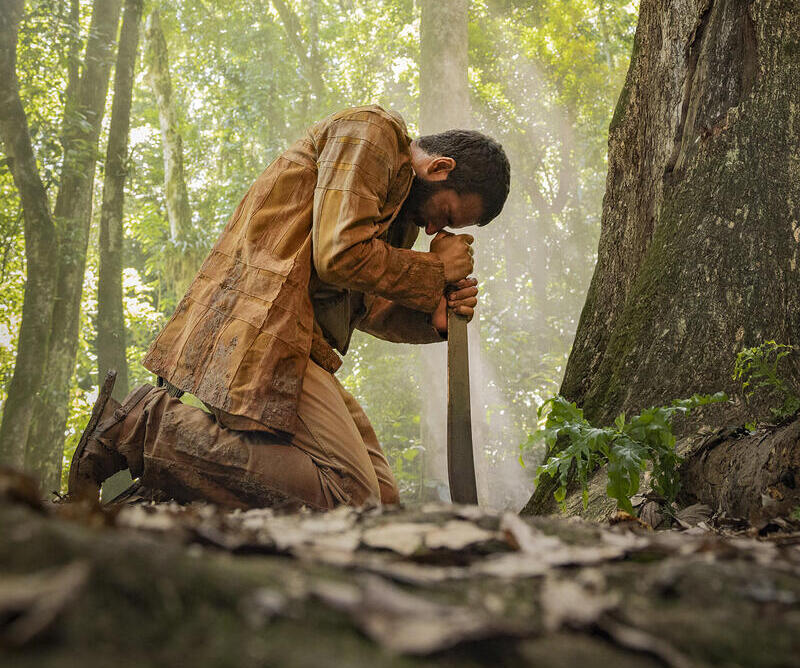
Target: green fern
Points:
(757, 369)
(627, 447)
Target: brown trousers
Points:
(333, 458)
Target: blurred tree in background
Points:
(246, 78)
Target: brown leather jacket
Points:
(309, 254)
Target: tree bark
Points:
(73, 60)
(72, 212)
(699, 244)
(40, 249)
(179, 212)
(702, 176)
(766, 465)
(443, 84)
(110, 311)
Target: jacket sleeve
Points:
(394, 322)
(358, 155)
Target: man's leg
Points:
(386, 480)
(329, 434)
(334, 431)
(184, 451)
(187, 453)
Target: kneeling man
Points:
(319, 246)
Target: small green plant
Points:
(627, 447)
(757, 369)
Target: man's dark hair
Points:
(481, 167)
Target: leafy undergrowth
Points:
(576, 449)
(149, 585)
(628, 448)
(757, 369)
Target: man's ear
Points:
(440, 167)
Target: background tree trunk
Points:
(443, 105)
(443, 86)
(73, 210)
(306, 50)
(183, 255)
(110, 312)
(179, 212)
(73, 58)
(40, 249)
(700, 234)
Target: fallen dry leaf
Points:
(573, 604)
(149, 518)
(693, 515)
(621, 517)
(409, 572)
(409, 624)
(651, 514)
(525, 537)
(552, 551)
(457, 535)
(511, 566)
(404, 538)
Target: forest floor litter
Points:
(152, 583)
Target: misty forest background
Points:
(219, 89)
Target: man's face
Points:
(434, 206)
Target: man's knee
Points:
(390, 495)
(374, 493)
(359, 494)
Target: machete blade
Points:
(460, 459)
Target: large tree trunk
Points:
(40, 248)
(699, 243)
(110, 312)
(177, 198)
(73, 211)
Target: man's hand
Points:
(462, 298)
(455, 252)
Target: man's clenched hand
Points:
(461, 298)
(455, 252)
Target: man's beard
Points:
(421, 191)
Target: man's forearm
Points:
(394, 322)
